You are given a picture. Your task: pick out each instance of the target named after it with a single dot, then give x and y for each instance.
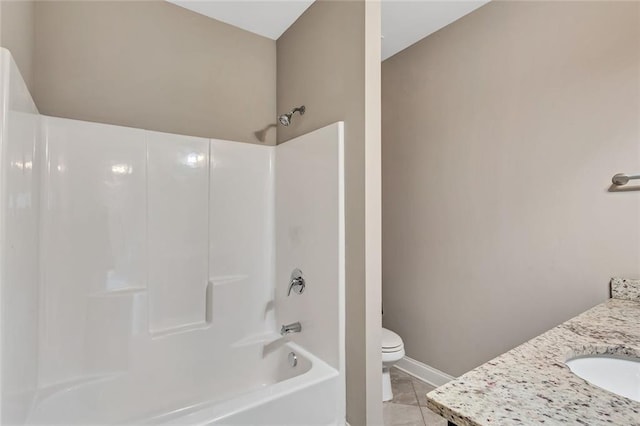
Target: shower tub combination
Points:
(144, 276)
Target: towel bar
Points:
(623, 178)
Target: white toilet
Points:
(392, 352)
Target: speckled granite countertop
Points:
(531, 384)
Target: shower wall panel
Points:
(310, 236)
(177, 211)
(157, 251)
(241, 241)
(19, 272)
(94, 247)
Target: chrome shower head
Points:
(285, 119)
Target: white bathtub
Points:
(266, 391)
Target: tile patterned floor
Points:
(409, 404)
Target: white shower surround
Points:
(139, 274)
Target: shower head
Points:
(285, 119)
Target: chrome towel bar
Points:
(623, 178)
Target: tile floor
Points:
(409, 404)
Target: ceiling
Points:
(403, 22)
(406, 22)
(268, 18)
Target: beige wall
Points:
(153, 65)
(500, 136)
(322, 64)
(17, 34)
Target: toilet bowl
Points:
(392, 352)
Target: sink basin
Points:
(618, 375)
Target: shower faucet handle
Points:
(297, 282)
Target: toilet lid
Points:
(390, 341)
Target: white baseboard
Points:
(423, 372)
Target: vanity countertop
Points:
(531, 384)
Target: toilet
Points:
(392, 352)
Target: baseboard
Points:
(423, 372)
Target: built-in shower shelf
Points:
(263, 338)
(179, 330)
(46, 391)
(119, 292)
(227, 279)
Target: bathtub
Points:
(266, 390)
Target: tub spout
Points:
(295, 327)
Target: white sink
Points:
(618, 375)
